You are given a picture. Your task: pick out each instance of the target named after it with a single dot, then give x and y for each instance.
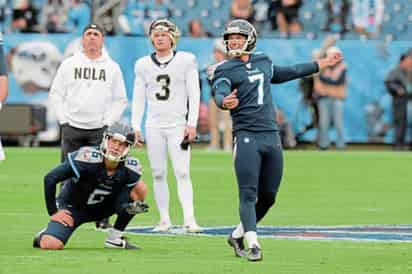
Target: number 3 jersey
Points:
(170, 91)
(90, 186)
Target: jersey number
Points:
(260, 79)
(97, 196)
(164, 79)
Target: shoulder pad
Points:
(134, 165)
(88, 155)
(212, 68)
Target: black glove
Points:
(137, 207)
(185, 143)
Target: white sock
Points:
(185, 193)
(251, 239)
(114, 234)
(238, 232)
(161, 194)
(2, 155)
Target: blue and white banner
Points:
(34, 58)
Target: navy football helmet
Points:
(119, 131)
(242, 27)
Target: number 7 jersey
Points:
(252, 80)
(170, 91)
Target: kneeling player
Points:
(101, 181)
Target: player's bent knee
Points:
(139, 192)
(51, 242)
(159, 176)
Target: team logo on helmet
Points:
(242, 27)
(121, 132)
(164, 25)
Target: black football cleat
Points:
(36, 240)
(238, 246)
(254, 254)
(122, 243)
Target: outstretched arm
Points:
(284, 74)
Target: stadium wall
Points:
(34, 59)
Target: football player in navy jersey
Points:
(242, 85)
(102, 182)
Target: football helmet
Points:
(119, 131)
(167, 26)
(242, 27)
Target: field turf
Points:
(318, 188)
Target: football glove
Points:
(137, 207)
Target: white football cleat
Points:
(162, 227)
(192, 228)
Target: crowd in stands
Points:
(273, 18)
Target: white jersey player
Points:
(167, 84)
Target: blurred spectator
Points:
(78, 16)
(242, 9)
(306, 86)
(330, 86)
(155, 10)
(272, 11)
(261, 8)
(24, 17)
(131, 21)
(367, 16)
(286, 132)
(399, 85)
(219, 120)
(196, 29)
(53, 16)
(337, 13)
(287, 16)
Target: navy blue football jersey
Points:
(252, 79)
(90, 185)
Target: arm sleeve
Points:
(119, 99)
(284, 74)
(58, 174)
(221, 87)
(193, 91)
(139, 98)
(334, 82)
(58, 94)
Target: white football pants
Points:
(161, 142)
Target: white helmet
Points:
(166, 26)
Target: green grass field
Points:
(319, 188)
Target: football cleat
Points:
(238, 246)
(254, 254)
(36, 240)
(192, 228)
(162, 227)
(121, 243)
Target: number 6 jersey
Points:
(170, 90)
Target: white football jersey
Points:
(169, 91)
